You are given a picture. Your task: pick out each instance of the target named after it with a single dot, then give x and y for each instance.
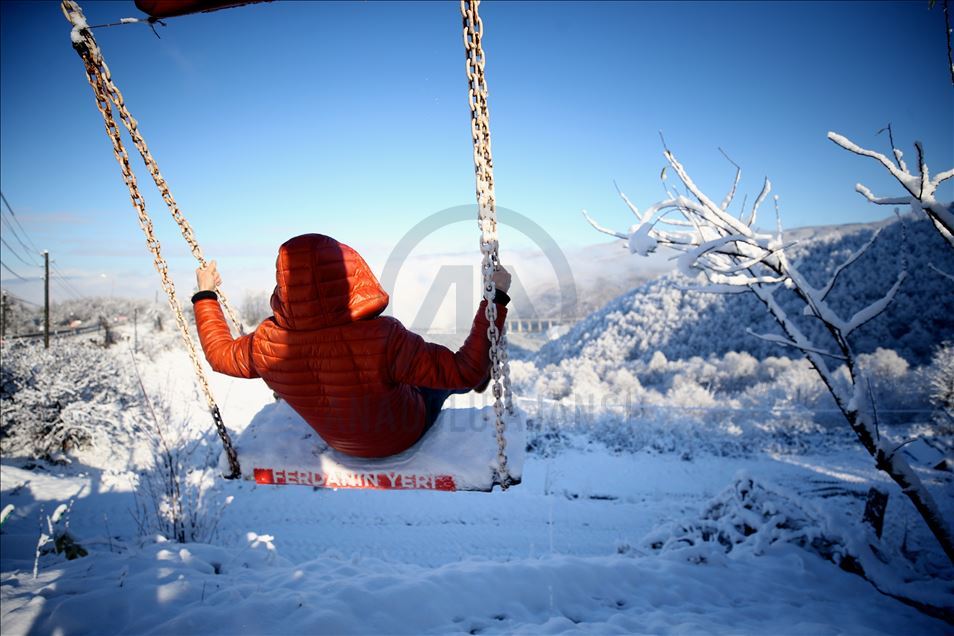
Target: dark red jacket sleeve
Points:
(228, 355)
(417, 362)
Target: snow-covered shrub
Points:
(255, 307)
(892, 383)
(21, 317)
(940, 376)
(587, 386)
(57, 538)
(785, 383)
(723, 405)
(176, 495)
(625, 382)
(686, 392)
(735, 371)
(553, 382)
(748, 518)
(69, 399)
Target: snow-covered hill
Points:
(661, 316)
(699, 495)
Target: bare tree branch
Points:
(864, 191)
(942, 273)
(726, 219)
(850, 146)
(734, 258)
(779, 340)
(716, 289)
(874, 309)
(898, 155)
(604, 230)
(629, 204)
(925, 175)
(920, 187)
(766, 188)
(735, 183)
(851, 259)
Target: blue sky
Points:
(351, 119)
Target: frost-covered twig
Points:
(735, 182)
(40, 543)
(950, 277)
(7, 511)
(920, 187)
(779, 340)
(874, 309)
(734, 257)
(851, 259)
(600, 228)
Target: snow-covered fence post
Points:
(735, 258)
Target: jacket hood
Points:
(323, 283)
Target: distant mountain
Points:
(659, 316)
(593, 274)
(600, 273)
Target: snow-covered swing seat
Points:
(466, 449)
(458, 453)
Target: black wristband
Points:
(204, 295)
(501, 297)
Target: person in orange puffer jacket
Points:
(367, 385)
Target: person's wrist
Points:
(204, 294)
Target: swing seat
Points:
(458, 453)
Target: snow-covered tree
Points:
(921, 188)
(255, 307)
(732, 256)
(940, 376)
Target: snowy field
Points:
(732, 425)
(592, 541)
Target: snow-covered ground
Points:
(296, 561)
(591, 541)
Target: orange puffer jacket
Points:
(348, 371)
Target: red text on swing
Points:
(344, 479)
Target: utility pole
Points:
(3, 315)
(46, 299)
(136, 330)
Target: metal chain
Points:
(487, 221)
(186, 229)
(89, 51)
(132, 125)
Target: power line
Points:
(22, 300)
(66, 281)
(13, 230)
(64, 284)
(15, 253)
(66, 290)
(4, 265)
(69, 291)
(17, 221)
(62, 281)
